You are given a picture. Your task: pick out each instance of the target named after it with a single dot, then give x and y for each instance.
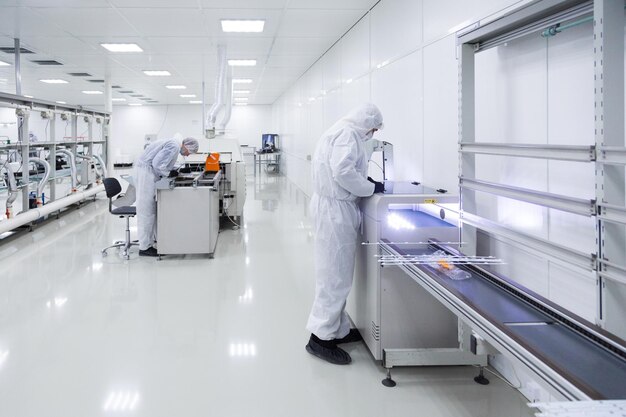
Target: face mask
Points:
(369, 135)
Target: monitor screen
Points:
(268, 140)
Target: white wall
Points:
(402, 57)
(131, 124)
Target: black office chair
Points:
(113, 188)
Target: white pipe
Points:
(228, 105)
(72, 161)
(44, 180)
(34, 214)
(12, 189)
(219, 91)
(103, 166)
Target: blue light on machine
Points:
(398, 223)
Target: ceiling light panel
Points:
(195, 101)
(242, 62)
(242, 81)
(53, 81)
(118, 99)
(243, 26)
(176, 87)
(241, 91)
(121, 47)
(4, 64)
(92, 92)
(188, 95)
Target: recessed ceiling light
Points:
(195, 101)
(241, 91)
(242, 62)
(135, 104)
(61, 102)
(241, 98)
(188, 95)
(92, 92)
(243, 25)
(157, 73)
(53, 81)
(118, 99)
(242, 81)
(121, 47)
(26, 95)
(241, 104)
(176, 87)
(4, 64)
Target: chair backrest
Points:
(112, 187)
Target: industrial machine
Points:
(388, 308)
(188, 196)
(232, 193)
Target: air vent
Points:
(11, 50)
(47, 62)
(152, 101)
(136, 95)
(96, 81)
(126, 91)
(79, 74)
(145, 99)
(116, 86)
(375, 331)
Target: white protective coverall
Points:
(156, 161)
(340, 166)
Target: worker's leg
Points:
(336, 227)
(146, 208)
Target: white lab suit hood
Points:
(339, 179)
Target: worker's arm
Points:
(343, 165)
(162, 162)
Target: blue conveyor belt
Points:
(589, 364)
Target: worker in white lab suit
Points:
(156, 161)
(340, 178)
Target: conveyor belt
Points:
(586, 356)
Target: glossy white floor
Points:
(82, 335)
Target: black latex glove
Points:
(379, 187)
(173, 174)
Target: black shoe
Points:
(353, 336)
(151, 251)
(328, 351)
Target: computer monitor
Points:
(269, 141)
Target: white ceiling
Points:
(180, 36)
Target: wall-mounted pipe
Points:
(72, 160)
(220, 82)
(12, 190)
(228, 102)
(44, 180)
(35, 214)
(559, 27)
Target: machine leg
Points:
(388, 382)
(480, 379)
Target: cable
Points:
(167, 110)
(375, 163)
(497, 375)
(227, 216)
(46, 130)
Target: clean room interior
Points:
(509, 115)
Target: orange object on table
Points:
(212, 162)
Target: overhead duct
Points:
(220, 84)
(228, 102)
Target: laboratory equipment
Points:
(193, 197)
(389, 309)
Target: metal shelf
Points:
(553, 152)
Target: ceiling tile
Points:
(363, 5)
(310, 22)
(244, 4)
(94, 22)
(166, 22)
